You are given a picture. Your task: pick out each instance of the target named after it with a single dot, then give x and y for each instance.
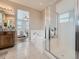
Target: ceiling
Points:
(35, 4)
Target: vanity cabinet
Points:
(7, 39)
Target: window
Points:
(22, 22)
(22, 15)
(19, 23)
(64, 17)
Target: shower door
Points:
(50, 26)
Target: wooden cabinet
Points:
(7, 39)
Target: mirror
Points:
(7, 18)
(1, 21)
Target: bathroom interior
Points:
(53, 30)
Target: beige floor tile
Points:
(22, 50)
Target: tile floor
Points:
(22, 50)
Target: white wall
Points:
(36, 22)
(65, 5)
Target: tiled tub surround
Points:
(38, 38)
